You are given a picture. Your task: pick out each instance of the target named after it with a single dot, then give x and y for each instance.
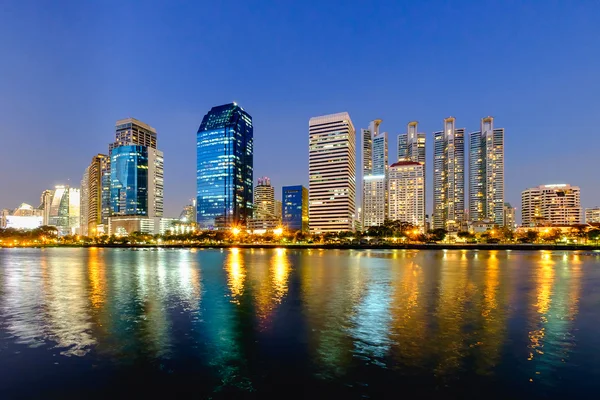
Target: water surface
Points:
(82, 323)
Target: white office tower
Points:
(486, 173)
(449, 177)
(374, 182)
(332, 173)
(407, 193)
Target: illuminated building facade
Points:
(136, 173)
(295, 208)
(332, 173)
(509, 216)
(411, 145)
(24, 217)
(592, 215)
(558, 204)
(224, 173)
(486, 173)
(407, 193)
(375, 169)
(64, 212)
(449, 177)
(95, 209)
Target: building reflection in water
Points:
(331, 290)
(426, 313)
(554, 309)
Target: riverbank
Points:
(409, 246)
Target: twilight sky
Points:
(70, 69)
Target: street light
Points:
(235, 231)
(278, 231)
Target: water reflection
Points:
(343, 316)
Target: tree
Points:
(594, 235)
(437, 235)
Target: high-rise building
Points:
(45, 202)
(265, 214)
(64, 212)
(132, 131)
(375, 168)
(449, 177)
(295, 208)
(509, 216)
(557, 204)
(592, 215)
(332, 173)
(224, 173)
(136, 172)
(136, 181)
(84, 199)
(278, 209)
(94, 210)
(486, 173)
(411, 145)
(407, 193)
(264, 198)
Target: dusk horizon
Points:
(72, 76)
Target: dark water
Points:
(83, 323)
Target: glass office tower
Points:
(295, 208)
(224, 173)
(129, 180)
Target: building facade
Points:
(95, 209)
(295, 208)
(332, 173)
(224, 168)
(510, 220)
(264, 198)
(592, 215)
(374, 181)
(407, 193)
(64, 212)
(486, 173)
(449, 177)
(135, 186)
(558, 204)
(411, 145)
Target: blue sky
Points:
(70, 69)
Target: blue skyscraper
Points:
(129, 180)
(295, 208)
(224, 168)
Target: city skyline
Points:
(555, 76)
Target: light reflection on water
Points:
(501, 319)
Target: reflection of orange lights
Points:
(236, 274)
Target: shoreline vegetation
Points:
(390, 235)
(326, 246)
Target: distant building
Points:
(278, 209)
(295, 208)
(94, 208)
(136, 172)
(332, 173)
(23, 217)
(411, 145)
(45, 201)
(264, 199)
(375, 170)
(265, 215)
(407, 193)
(509, 216)
(557, 204)
(64, 213)
(449, 177)
(486, 173)
(224, 168)
(188, 214)
(480, 226)
(592, 215)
